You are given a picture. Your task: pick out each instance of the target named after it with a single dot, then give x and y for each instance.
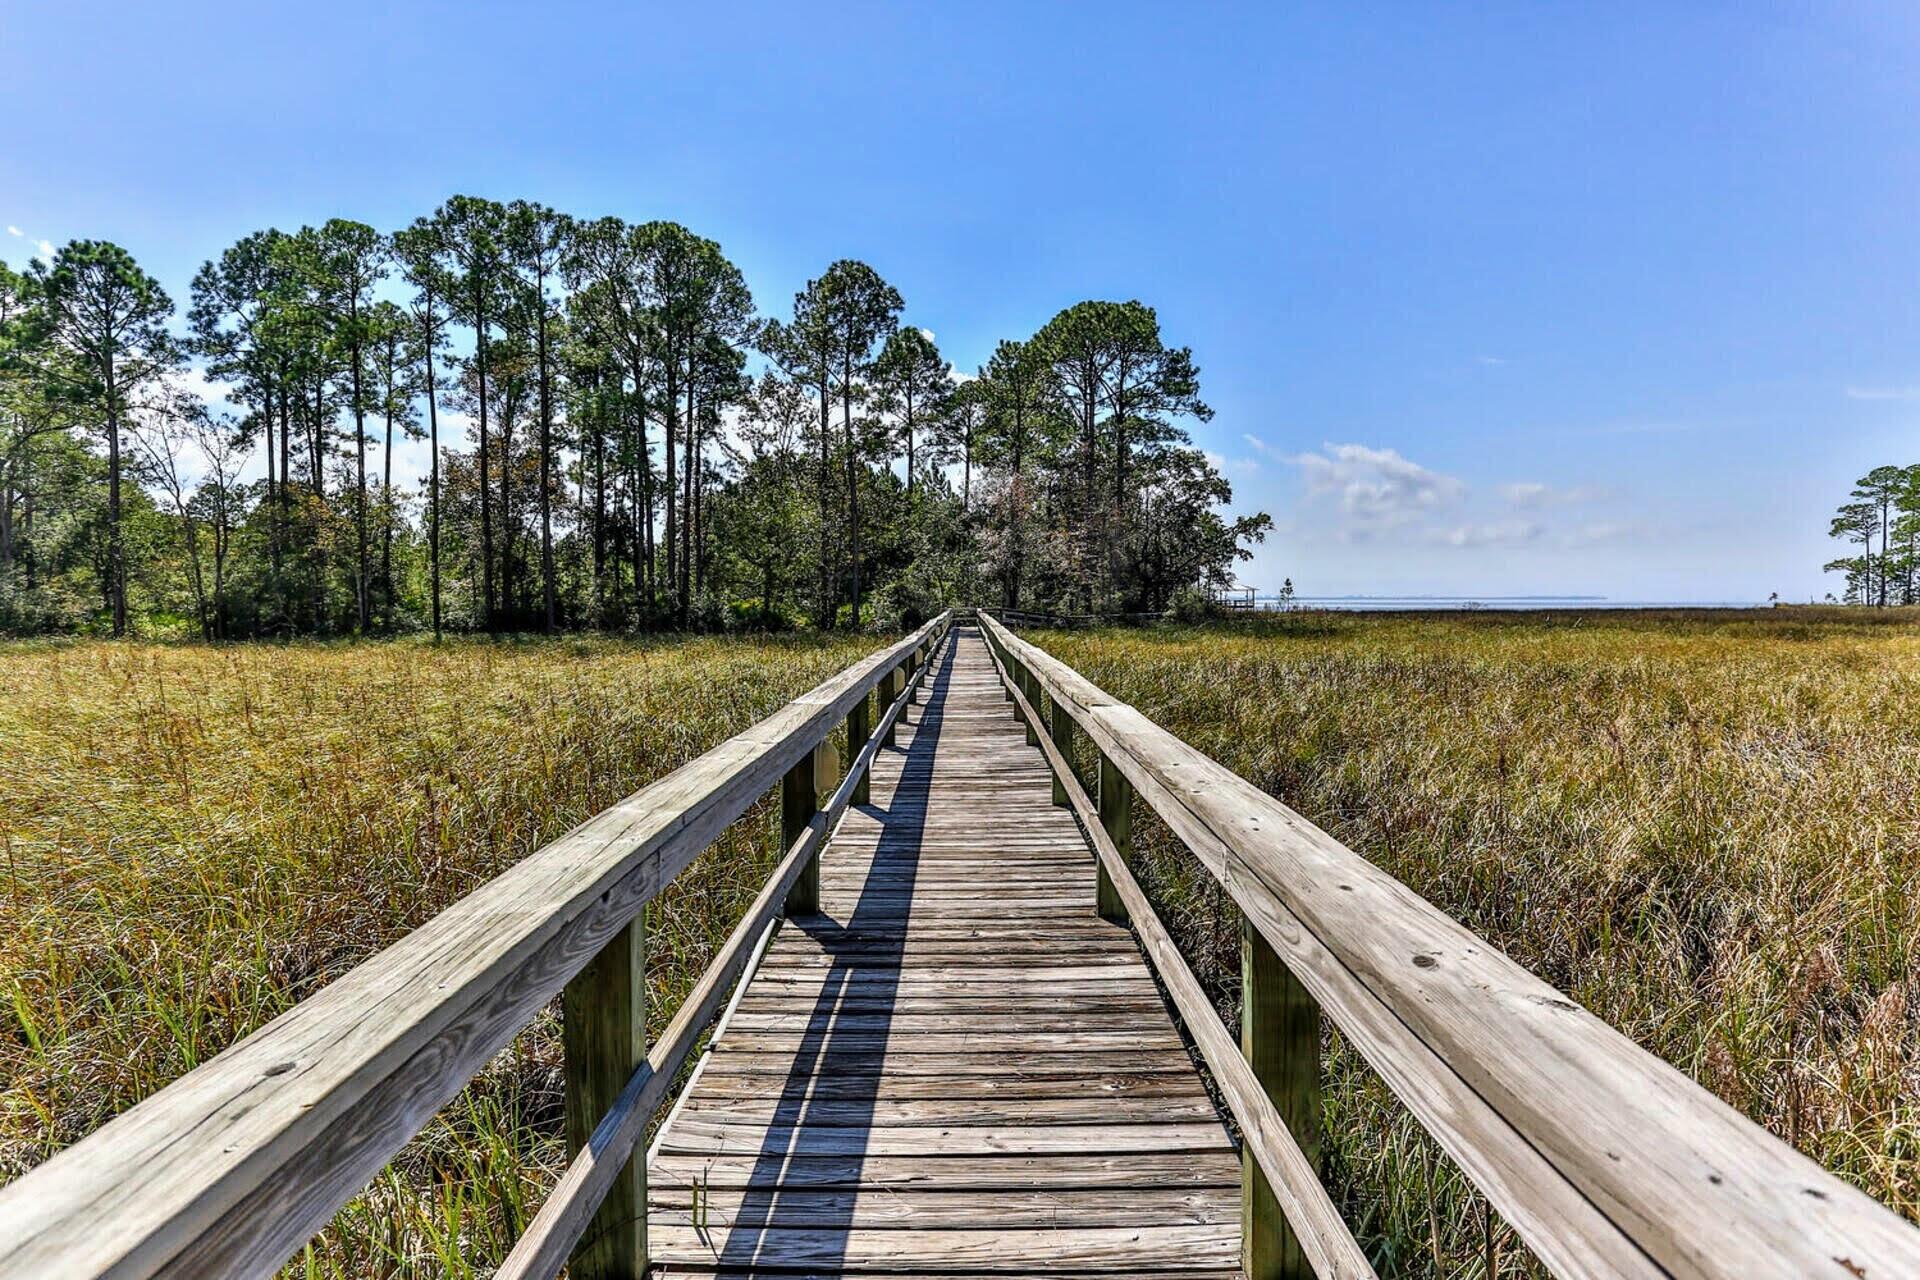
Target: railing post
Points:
(1031, 687)
(799, 801)
(1060, 727)
(604, 1037)
(859, 728)
(889, 690)
(1280, 1035)
(1116, 815)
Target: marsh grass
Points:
(1706, 828)
(195, 838)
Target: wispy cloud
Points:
(1883, 393)
(1498, 533)
(1254, 442)
(1230, 466)
(1599, 531)
(1533, 495)
(1372, 490)
(1492, 360)
(14, 231)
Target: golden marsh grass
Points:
(1705, 827)
(197, 837)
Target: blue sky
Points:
(1489, 299)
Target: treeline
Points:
(1882, 517)
(637, 447)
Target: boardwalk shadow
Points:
(809, 1166)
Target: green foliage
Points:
(1192, 604)
(622, 464)
(1885, 505)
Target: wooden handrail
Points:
(1606, 1160)
(229, 1169)
(1325, 1237)
(543, 1247)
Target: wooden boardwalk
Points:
(956, 1066)
(946, 1066)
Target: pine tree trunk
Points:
(486, 501)
(433, 480)
(546, 451)
(116, 548)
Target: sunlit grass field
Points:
(1705, 827)
(195, 838)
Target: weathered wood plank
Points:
(590, 1173)
(1276, 1173)
(1605, 1159)
(1094, 1089)
(1080, 1170)
(1038, 1247)
(797, 1107)
(604, 1027)
(955, 1041)
(921, 1210)
(726, 1057)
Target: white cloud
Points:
(1254, 442)
(1599, 531)
(1499, 533)
(1375, 489)
(1492, 360)
(1883, 393)
(1532, 495)
(14, 231)
(194, 379)
(46, 251)
(927, 334)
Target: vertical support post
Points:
(799, 801)
(859, 728)
(1060, 729)
(1031, 688)
(604, 1036)
(1280, 1035)
(1116, 815)
(913, 665)
(889, 690)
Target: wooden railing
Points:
(228, 1170)
(1606, 1160)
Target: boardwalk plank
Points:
(955, 1067)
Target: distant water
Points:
(1500, 602)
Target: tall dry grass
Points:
(194, 838)
(1706, 829)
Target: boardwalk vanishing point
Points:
(956, 1064)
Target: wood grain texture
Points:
(604, 1030)
(592, 1172)
(230, 1168)
(1608, 1161)
(955, 1066)
(1280, 1182)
